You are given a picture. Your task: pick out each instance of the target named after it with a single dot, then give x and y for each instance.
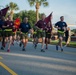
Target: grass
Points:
(54, 42)
(71, 44)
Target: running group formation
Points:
(9, 34)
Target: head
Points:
(43, 16)
(68, 28)
(25, 20)
(9, 17)
(62, 18)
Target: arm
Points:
(56, 25)
(37, 25)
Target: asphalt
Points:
(34, 62)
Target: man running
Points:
(61, 26)
(48, 33)
(25, 29)
(8, 31)
(40, 25)
(67, 36)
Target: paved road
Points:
(33, 62)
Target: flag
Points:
(48, 19)
(4, 11)
(17, 23)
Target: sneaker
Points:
(23, 49)
(8, 50)
(42, 50)
(2, 48)
(35, 46)
(46, 48)
(61, 49)
(56, 47)
(20, 44)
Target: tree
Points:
(30, 14)
(37, 4)
(12, 7)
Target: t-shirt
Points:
(10, 24)
(61, 25)
(48, 29)
(25, 27)
(41, 24)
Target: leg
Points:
(43, 43)
(26, 41)
(60, 43)
(10, 42)
(46, 41)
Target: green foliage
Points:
(13, 6)
(74, 30)
(71, 44)
(30, 14)
(41, 2)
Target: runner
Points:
(67, 36)
(8, 31)
(2, 20)
(61, 26)
(40, 25)
(25, 29)
(48, 34)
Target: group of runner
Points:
(9, 33)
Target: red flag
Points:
(17, 23)
(4, 11)
(48, 19)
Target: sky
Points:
(66, 8)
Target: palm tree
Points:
(37, 4)
(12, 7)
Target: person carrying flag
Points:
(61, 27)
(48, 20)
(16, 33)
(8, 29)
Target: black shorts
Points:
(24, 36)
(60, 34)
(66, 38)
(41, 34)
(8, 33)
(48, 35)
(2, 33)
